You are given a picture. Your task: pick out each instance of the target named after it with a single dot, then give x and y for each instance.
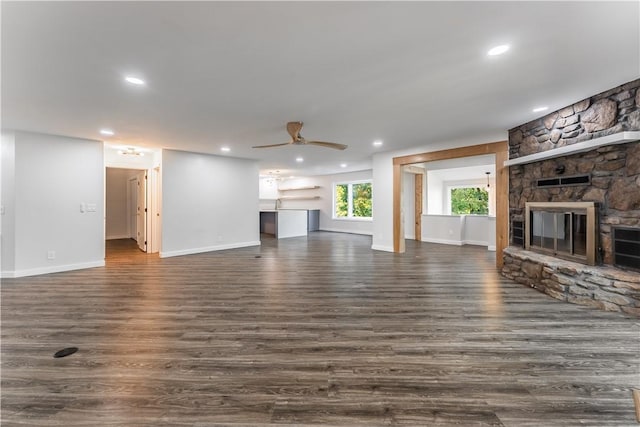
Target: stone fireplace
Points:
(586, 155)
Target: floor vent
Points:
(626, 247)
(65, 352)
(564, 181)
(517, 233)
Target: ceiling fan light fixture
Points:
(377, 143)
(299, 159)
(130, 151)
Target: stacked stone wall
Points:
(614, 171)
(610, 112)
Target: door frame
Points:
(501, 151)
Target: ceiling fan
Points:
(296, 139)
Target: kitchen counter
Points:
(284, 223)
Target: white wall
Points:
(117, 215)
(383, 183)
(408, 205)
(460, 230)
(208, 203)
(435, 194)
(54, 176)
(7, 202)
(325, 201)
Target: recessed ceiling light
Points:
(538, 109)
(134, 80)
(498, 50)
(107, 132)
(299, 159)
(225, 149)
(343, 165)
(377, 143)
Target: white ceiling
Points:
(233, 73)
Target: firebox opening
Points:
(564, 230)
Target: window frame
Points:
(350, 216)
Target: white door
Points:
(155, 210)
(132, 208)
(141, 228)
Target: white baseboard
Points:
(491, 248)
(474, 242)
(336, 230)
(117, 236)
(168, 254)
(51, 269)
(442, 241)
(382, 248)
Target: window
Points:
(352, 200)
(469, 201)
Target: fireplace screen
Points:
(564, 230)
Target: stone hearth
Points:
(603, 287)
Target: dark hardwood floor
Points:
(309, 331)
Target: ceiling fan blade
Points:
(272, 145)
(294, 130)
(328, 144)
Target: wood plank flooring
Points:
(309, 331)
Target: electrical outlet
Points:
(91, 207)
(51, 255)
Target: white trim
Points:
(616, 138)
(336, 230)
(118, 236)
(52, 269)
(382, 248)
(349, 185)
(491, 248)
(443, 241)
(208, 249)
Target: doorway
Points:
(498, 149)
(132, 211)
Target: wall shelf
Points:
(299, 197)
(312, 187)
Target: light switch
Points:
(83, 207)
(1, 210)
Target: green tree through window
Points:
(362, 200)
(352, 200)
(342, 200)
(465, 201)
